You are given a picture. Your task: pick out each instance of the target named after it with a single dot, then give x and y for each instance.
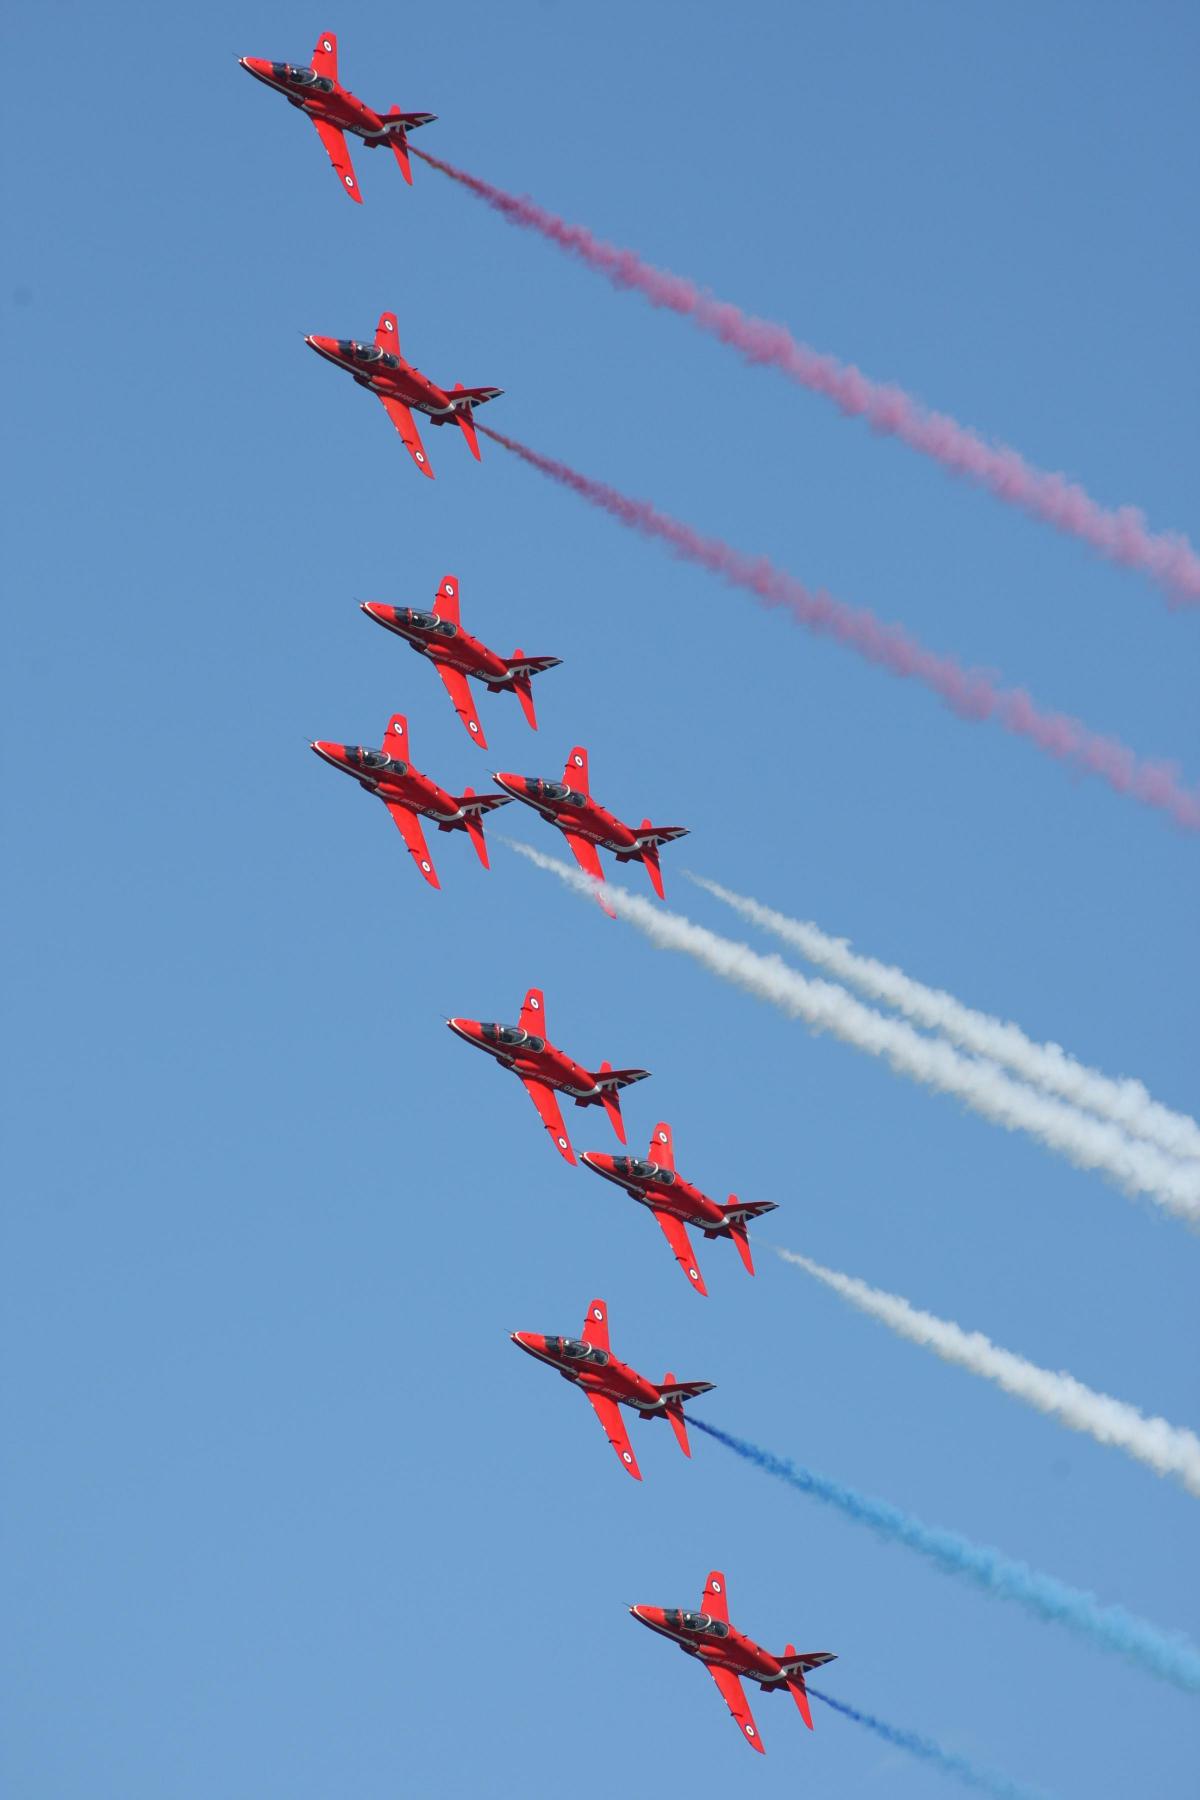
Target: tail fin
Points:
(798, 1690)
(445, 601)
(466, 424)
(675, 1414)
(474, 825)
(611, 1099)
(399, 144)
(737, 1231)
(523, 689)
(650, 858)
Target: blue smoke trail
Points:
(1167, 1654)
(987, 1780)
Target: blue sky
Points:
(287, 1514)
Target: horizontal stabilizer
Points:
(748, 1209)
(672, 1390)
(608, 1077)
(660, 834)
(520, 664)
(478, 804)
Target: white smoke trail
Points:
(1125, 1101)
(1087, 1142)
(1168, 1449)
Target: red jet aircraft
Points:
(399, 387)
(389, 775)
(455, 654)
(610, 1384)
(586, 825)
(334, 110)
(676, 1204)
(543, 1068)
(728, 1656)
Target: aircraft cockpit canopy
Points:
(378, 761)
(302, 78)
(513, 1038)
(643, 1171)
(423, 621)
(697, 1622)
(577, 1351)
(554, 793)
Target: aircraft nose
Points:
(509, 782)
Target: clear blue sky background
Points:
(287, 1514)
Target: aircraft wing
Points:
(548, 1113)
(609, 1415)
(335, 145)
(324, 57)
(735, 1699)
(402, 419)
(676, 1235)
(588, 858)
(585, 854)
(410, 830)
(459, 690)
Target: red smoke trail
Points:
(969, 692)
(1121, 534)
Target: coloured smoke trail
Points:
(1126, 1102)
(1089, 1143)
(987, 1781)
(968, 692)
(1166, 1654)
(1167, 1449)
(1120, 534)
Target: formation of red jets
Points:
(547, 1073)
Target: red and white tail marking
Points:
(387, 333)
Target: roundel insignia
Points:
(695, 1274)
(388, 326)
(426, 867)
(578, 761)
(450, 589)
(326, 45)
(349, 180)
(662, 1137)
(625, 1457)
(597, 1312)
(561, 1142)
(420, 456)
(534, 1004)
(472, 726)
(749, 1731)
(716, 1587)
